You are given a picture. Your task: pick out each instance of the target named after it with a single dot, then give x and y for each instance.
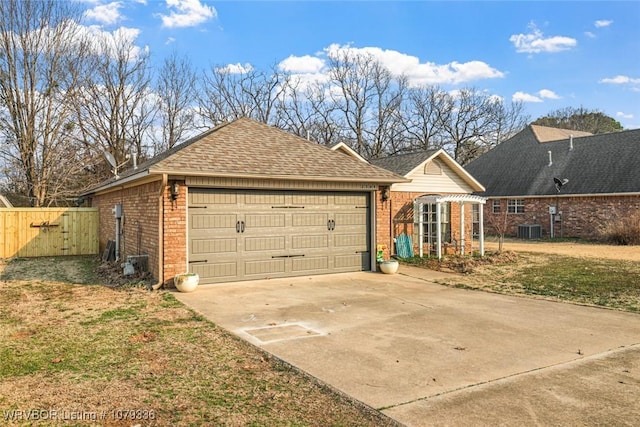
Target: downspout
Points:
(163, 185)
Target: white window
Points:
(515, 206)
(496, 206)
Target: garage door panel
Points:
(264, 243)
(356, 240)
(214, 272)
(260, 198)
(213, 221)
(310, 264)
(199, 197)
(343, 219)
(310, 241)
(265, 267)
(309, 199)
(354, 200)
(264, 221)
(310, 220)
(352, 262)
(214, 246)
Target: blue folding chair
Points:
(404, 247)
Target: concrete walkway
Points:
(426, 354)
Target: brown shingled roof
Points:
(247, 148)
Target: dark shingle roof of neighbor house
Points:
(598, 164)
(4, 203)
(402, 164)
(250, 149)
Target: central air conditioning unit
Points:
(530, 231)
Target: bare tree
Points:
(499, 223)
(305, 110)
(352, 74)
(422, 117)
(114, 108)
(473, 121)
(228, 94)
(175, 89)
(40, 70)
(386, 134)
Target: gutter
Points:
(546, 196)
(117, 183)
(399, 179)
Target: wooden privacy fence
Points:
(34, 232)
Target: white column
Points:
(462, 245)
(439, 230)
(481, 227)
(421, 228)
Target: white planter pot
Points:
(389, 267)
(186, 282)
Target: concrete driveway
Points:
(426, 354)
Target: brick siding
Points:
(582, 217)
(175, 233)
(139, 233)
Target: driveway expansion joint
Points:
(576, 361)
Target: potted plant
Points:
(389, 266)
(186, 282)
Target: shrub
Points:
(621, 230)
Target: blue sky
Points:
(549, 55)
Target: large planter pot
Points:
(389, 267)
(186, 282)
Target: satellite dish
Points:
(110, 159)
(559, 183)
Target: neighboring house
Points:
(245, 201)
(437, 198)
(4, 203)
(555, 182)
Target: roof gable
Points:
(412, 165)
(546, 134)
(341, 147)
(597, 164)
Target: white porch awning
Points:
(461, 199)
(457, 198)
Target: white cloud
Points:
(187, 13)
(624, 116)
(107, 14)
(236, 68)
(590, 34)
(420, 73)
(111, 40)
(546, 93)
(535, 42)
(621, 80)
(602, 23)
(302, 64)
(170, 40)
(525, 97)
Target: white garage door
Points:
(246, 234)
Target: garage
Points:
(254, 234)
(246, 201)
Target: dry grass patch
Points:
(99, 350)
(600, 282)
